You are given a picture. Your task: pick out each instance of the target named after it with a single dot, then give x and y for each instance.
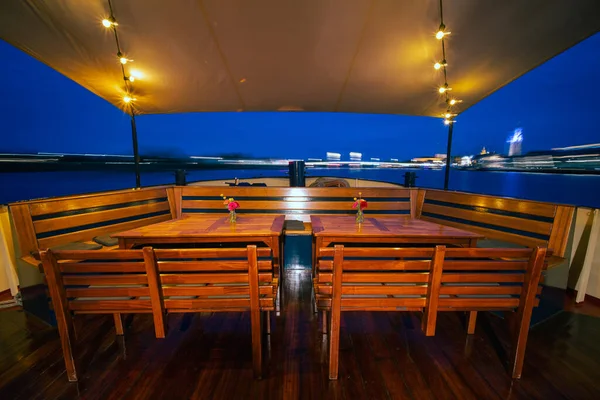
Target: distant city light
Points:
(355, 156)
(375, 159)
(517, 136)
(334, 156)
(466, 161)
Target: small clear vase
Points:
(360, 216)
(232, 216)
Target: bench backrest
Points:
(487, 279)
(371, 278)
(223, 279)
(297, 203)
(523, 222)
(42, 224)
(88, 281)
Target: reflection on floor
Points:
(382, 355)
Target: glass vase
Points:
(232, 216)
(360, 216)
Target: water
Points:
(580, 190)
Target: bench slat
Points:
(499, 203)
(209, 253)
(490, 233)
(111, 291)
(180, 266)
(378, 265)
(72, 221)
(51, 206)
(212, 278)
(89, 233)
(116, 279)
(110, 305)
(523, 224)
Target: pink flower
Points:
(233, 205)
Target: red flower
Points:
(233, 205)
(363, 204)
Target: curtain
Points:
(8, 271)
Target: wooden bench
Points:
(93, 282)
(369, 279)
(296, 203)
(159, 281)
(429, 280)
(501, 220)
(54, 222)
(475, 280)
(219, 280)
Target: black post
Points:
(296, 171)
(180, 177)
(448, 156)
(136, 152)
(409, 179)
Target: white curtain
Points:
(8, 271)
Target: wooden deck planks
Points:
(382, 355)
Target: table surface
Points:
(333, 225)
(210, 225)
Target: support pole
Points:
(448, 156)
(136, 153)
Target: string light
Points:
(130, 77)
(108, 22)
(441, 32)
(444, 89)
(128, 98)
(122, 59)
(441, 65)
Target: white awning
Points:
(363, 56)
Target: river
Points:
(580, 190)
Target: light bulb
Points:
(441, 32)
(444, 89)
(128, 99)
(108, 22)
(123, 60)
(437, 65)
(452, 102)
(446, 122)
(131, 78)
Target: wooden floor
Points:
(382, 355)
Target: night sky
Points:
(42, 111)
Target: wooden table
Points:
(210, 228)
(394, 229)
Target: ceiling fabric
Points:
(361, 56)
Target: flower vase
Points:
(360, 217)
(232, 216)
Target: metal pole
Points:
(136, 153)
(448, 156)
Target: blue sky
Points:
(43, 111)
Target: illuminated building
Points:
(515, 141)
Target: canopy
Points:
(365, 56)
